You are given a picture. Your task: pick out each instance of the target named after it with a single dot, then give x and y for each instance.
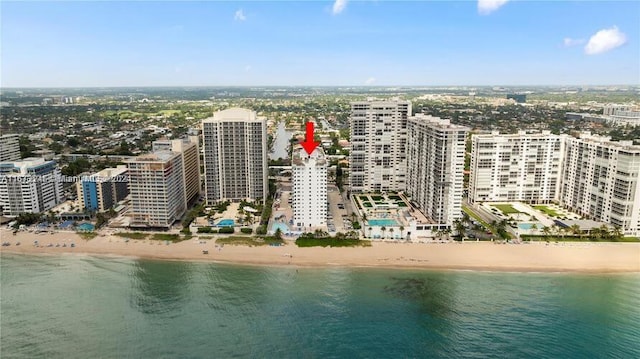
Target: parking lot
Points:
(339, 213)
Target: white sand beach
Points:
(570, 256)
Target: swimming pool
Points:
(86, 227)
(383, 222)
(225, 223)
(278, 225)
(525, 226)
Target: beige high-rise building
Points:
(189, 149)
(235, 156)
(435, 156)
(378, 157)
(157, 189)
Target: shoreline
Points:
(578, 257)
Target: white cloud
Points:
(239, 16)
(605, 40)
(339, 6)
(370, 81)
(486, 7)
(569, 42)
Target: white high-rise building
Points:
(515, 167)
(309, 189)
(435, 153)
(156, 187)
(600, 181)
(10, 147)
(188, 147)
(378, 157)
(235, 156)
(29, 186)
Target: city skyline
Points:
(341, 43)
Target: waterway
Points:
(281, 142)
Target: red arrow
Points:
(309, 144)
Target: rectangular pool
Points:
(383, 222)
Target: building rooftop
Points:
(234, 114)
(300, 156)
(606, 140)
(441, 123)
(22, 166)
(158, 156)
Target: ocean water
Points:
(90, 307)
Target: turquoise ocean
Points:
(95, 307)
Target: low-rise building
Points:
(104, 189)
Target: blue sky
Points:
(341, 43)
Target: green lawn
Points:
(133, 235)
(87, 235)
(506, 208)
(247, 241)
(166, 237)
(331, 242)
(546, 210)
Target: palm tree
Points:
(604, 232)
(617, 233)
(446, 232)
(383, 229)
(401, 231)
(546, 231)
(465, 217)
(370, 229)
(534, 227)
(459, 226)
(575, 230)
(391, 232)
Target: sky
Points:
(319, 43)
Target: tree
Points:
(391, 233)
(617, 233)
(383, 229)
(459, 227)
(604, 232)
(546, 231)
(401, 232)
(575, 230)
(278, 234)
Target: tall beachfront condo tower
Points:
(600, 180)
(378, 157)
(189, 149)
(235, 156)
(156, 185)
(31, 185)
(435, 156)
(309, 189)
(103, 190)
(10, 147)
(516, 167)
